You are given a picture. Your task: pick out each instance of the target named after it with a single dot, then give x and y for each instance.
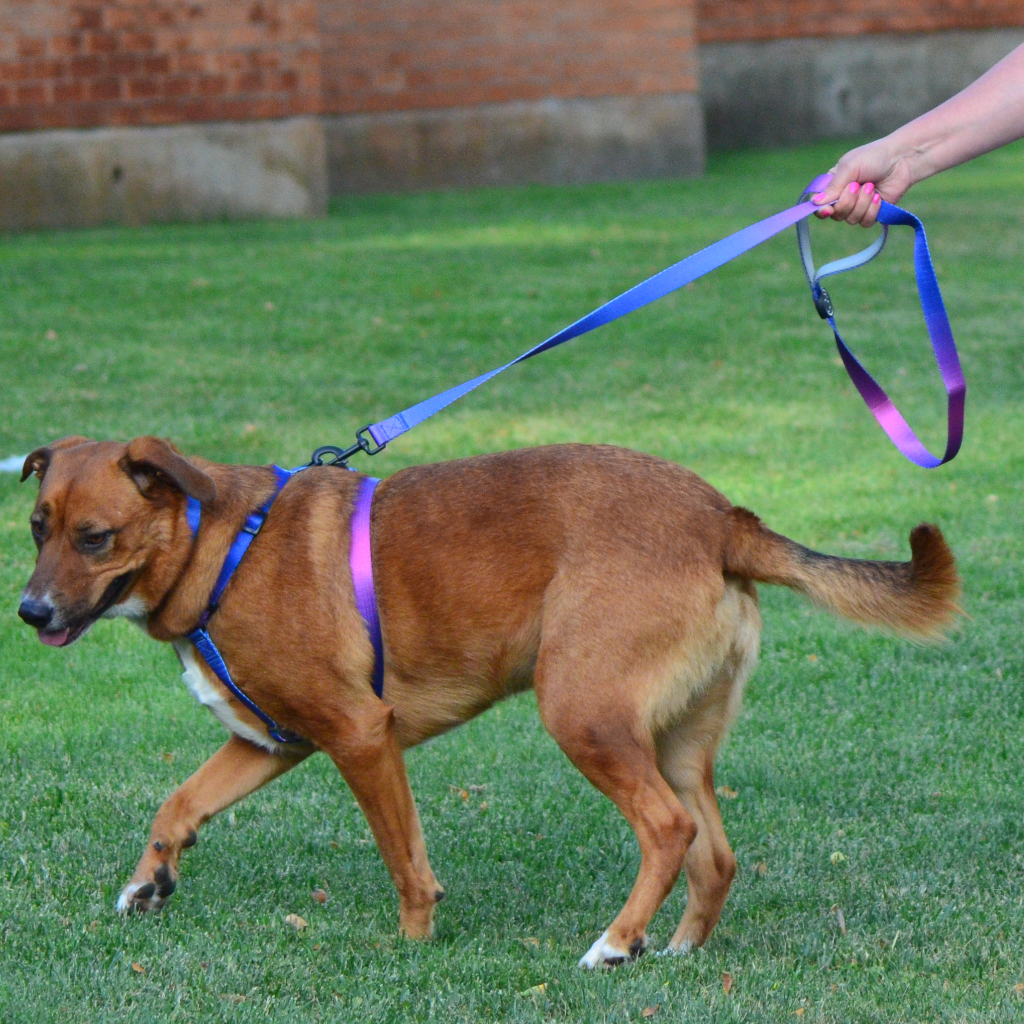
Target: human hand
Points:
(861, 180)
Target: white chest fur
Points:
(210, 693)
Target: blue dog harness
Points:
(362, 579)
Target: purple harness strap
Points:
(361, 562)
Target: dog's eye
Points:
(37, 531)
(93, 541)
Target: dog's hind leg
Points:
(608, 743)
(686, 756)
(236, 770)
(364, 746)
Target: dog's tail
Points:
(916, 598)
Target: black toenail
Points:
(439, 895)
(190, 840)
(162, 875)
(144, 892)
(637, 949)
(166, 889)
(158, 846)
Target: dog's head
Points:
(105, 514)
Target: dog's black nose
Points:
(35, 612)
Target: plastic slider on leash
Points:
(374, 437)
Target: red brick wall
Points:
(404, 54)
(732, 20)
(73, 63)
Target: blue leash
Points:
(376, 436)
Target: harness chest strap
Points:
(360, 561)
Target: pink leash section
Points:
(714, 256)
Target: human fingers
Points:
(861, 204)
(871, 213)
(844, 203)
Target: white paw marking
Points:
(603, 954)
(684, 947)
(126, 904)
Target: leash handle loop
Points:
(937, 322)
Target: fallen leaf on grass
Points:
(319, 895)
(531, 941)
(727, 792)
(761, 869)
(168, 757)
(138, 968)
(727, 982)
(801, 1011)
(298, 923)
(841, 921)
(461, 792)
(232, 997)
(837, 857)
(1019, 988)
(649, 1011)
(537, 990)
(812, 657)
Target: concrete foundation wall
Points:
(84, 177)
(784, 91)
(546, 141)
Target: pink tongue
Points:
(55, 639)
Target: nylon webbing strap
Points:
(939, 332)
(722, 252)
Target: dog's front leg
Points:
(236, 770)
(366, 750)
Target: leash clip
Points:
(367, 444)
(340, 456)
(822, 302)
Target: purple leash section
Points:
(711, 258)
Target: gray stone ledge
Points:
(612, 138)
(84, 177)
(787, 91)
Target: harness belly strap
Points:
(361, 563)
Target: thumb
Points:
(841, 177)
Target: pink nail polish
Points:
(854, 187)
(816, 198)
(876, 198)
(869, 187)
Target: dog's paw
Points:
(683, 949)
(151, 895)
(603, 954)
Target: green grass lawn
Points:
(259, 341)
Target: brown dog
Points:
(619, 586)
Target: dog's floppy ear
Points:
(151, 460)
(39, 461)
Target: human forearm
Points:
(987, 114)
